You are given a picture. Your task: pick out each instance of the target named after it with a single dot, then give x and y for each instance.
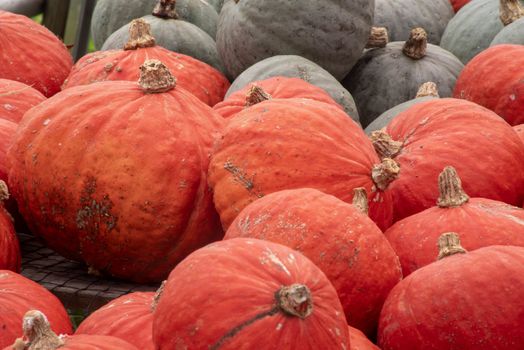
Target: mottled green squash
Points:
(513, 33)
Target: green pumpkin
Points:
(331, 33)
(217, 4)
(297, 67)
(513, 33)
(476, 24)
(27, 8)
(386, 77)
(400, 16)
(110, 15)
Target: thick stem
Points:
(157, 296)
(360, 200)
(449, 244)
(38, 333)
(384, 145)
(165, 9)
(256, 95)
(415, 46)
(139, 35)
(295, 300)
(4, 191)
(377, 38)
(385, 173)
(510, 11)
(450, 188)
(427, 89)
(155, 77)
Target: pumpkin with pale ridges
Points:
(474, 27)
(16, 98)
(375, 80)
(503, 91)
(400, 16)
(338, 237)
(469, 301)
(109, 15)
(19, 295)
(202, 80)
(275, 298)
(217, 4)
(480, 222)
(174, 34)
(10, 258)
(276, 87)
(117, 170)
(129, 317)
(313, 144)
(330, 33)
(31, 54)
(434, 134)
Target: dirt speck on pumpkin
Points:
(242, 178)
(93, 213)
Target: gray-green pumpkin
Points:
(386, 77)
(476, 24)
(400, 16)
(513, 33)
(173, 34)
(428, 91)
(297, 67)
(217, 4)
(27, 8)
(331, 33)
(110, 15)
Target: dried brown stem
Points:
(415, 46)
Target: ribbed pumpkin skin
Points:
(483, 148)
(457, 4)
(519, 129)
(95, 342)
(10, 258)
(358, 341)
(7, 133)
(202, 80)
(467, 301)
(253, 271)
(117, 177)
(400, 16)
(128, 317)
(16, 98)
(342, 241)
(511, 34)
(479, 222)
(285, 144)
(501, 90)
(31, 54)
(277, 87)
(330, 33)
(19, 295)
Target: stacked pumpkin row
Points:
(133, 178)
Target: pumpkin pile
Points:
(289, 175)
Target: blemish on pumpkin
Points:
(46, 122)
(108, 67)
(270, 256)
(242, 178)
(93, 212)
(279, 326)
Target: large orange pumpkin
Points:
(19, 295)
(245, 294)
(31, 54)
(114, 174)
(199, 78)
(293, 143)
(338, 237)
(16, 98)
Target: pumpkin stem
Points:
(377, 38)
(295, 300)
(510, 11)
(449, 244)
(415, 46)
(384, 145)
(158, 295)
(256, 95)
(155, 77)
(385, 173)
(450, 188)
(360, 200)
(165, 9)
(139, 35)
(4, 191)
(427, 89)
(38, 333)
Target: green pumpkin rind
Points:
(217, 4)
(328, 32)
(472, 29)
(297, 67)
(27, 8)
(110, 15)
(511, 34)
(175, 35)
(400, 16)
